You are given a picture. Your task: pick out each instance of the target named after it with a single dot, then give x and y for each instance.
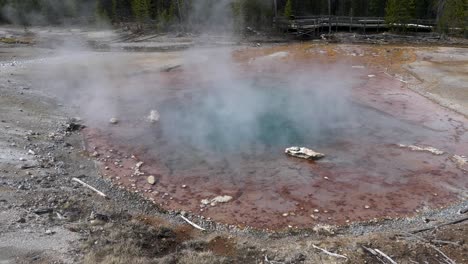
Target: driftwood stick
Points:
(89, 187)
(192, 223)
(170, 68)
(436, 241)
(385, 256)
(456, 221)
(448, 260)
(330, 253)
(271, 261)
(373, 252)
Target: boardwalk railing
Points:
(313, 25)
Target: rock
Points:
(153, 116)
(151, 180)
(304, 153)
(114, 121)
(216, 200)
(137, 171)
(460, 160)
(98, 219)
(74, 126)
(49, 232)
(43, 211)
(431, 150)
(221, 199)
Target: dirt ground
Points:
(46, 217)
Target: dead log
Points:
(192, 223)
(456, 221)
(330, 253)
(90, 187)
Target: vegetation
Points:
(450, 14)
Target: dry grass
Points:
(191, 257)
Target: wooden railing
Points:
(312, 25)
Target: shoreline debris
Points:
(304, 153)
(216, 200)
(154, 116)
(330, 253)
(114, 121)
(89, 187)
(426, 149)
(192, 223)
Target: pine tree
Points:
(453, 16)
(377, 8)
(141, 9)
(399, 12)
(288, 9)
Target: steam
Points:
(215, 109)
(212, 15)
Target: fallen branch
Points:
(448, 260)
(271, 261)
(456, 221)
(373, 252)
(192, 223)
(385, 256)
(436, 241)
(170, 68)
(89, 187)
(330, 253)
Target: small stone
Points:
(153, 116)
(31, 152)
(304, 153)
(184, 186)
(316, 210)
(285, 214)
(49, 232)
(151, 180)
(366, 206)
(114, 121)
(22, 159)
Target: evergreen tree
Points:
(453, 17)
(141, 9)
(288, 9)
(399, 12)
(377, 8)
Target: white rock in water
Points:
(303, 153)
(153, 116)
(426, 149)
(151, 180)
(221, 199)
(216, 200)
(114, 121)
